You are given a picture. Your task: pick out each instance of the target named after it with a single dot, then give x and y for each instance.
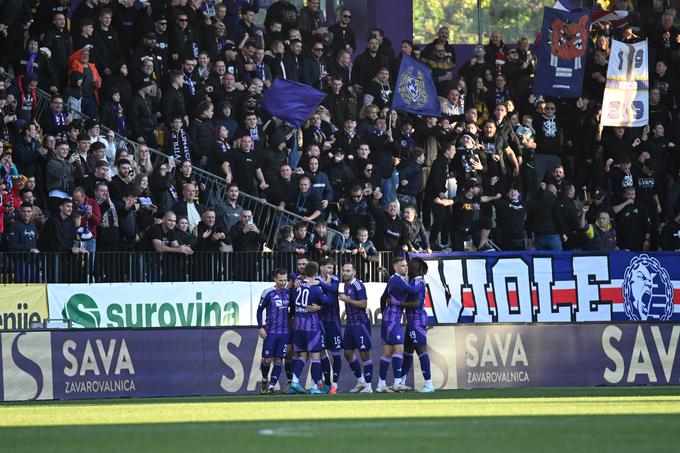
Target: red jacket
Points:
(74, 64)
(96, 218)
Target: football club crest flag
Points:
(292, 102)
(562, 53)
(415, 91)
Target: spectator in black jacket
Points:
(142, 116)
(29, 155)
(670, 234)
(60, 231)
(390, 234)
(511, 216)
(367, 65)
(211, 237)
(172, 101)
(106, 43)
(567, 219)
(22, 235)
(411, 177)
(303, 202)
(201, 134)
(58, 40)
(436, 196)
(633, 225)
(356, 212)
(542, 220)
(246, 237)
(342, 32)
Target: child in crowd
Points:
(363, 246)
(285, 241)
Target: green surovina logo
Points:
(84, 312)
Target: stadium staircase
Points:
(268, 217)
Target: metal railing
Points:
(269, 218)
(131, 267)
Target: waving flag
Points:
(415, 91)
(564, 5)
(292, 101)
(562, 52)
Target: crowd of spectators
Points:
(502, 168)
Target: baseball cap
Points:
(598, 193)
(471, 183)
(479, 49)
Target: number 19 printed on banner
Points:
(626, 95)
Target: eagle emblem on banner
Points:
(412, 88)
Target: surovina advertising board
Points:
(93, 363)
(143, 305)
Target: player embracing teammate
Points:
(308, 338)
(313, 303)
(398, 295)
(416, 328)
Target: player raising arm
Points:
(358, 329)
(330, 318)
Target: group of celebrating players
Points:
(303, 323)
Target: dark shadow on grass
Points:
(619, 433)
(440, 395)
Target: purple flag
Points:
(292, 101)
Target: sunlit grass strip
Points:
(327, 409)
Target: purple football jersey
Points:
(398, 292)
(275, 302)
(306, 295)
(330, 313)
(417, 316)
(356, 290)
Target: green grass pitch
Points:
(632, 419)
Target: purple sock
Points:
(384, 367)
(425, 365)
(264, 369)
(316, 371)
(355, 366)
(298, 365)
(396, 365)
(276, 372)
(406, 364)
(326, 367)
(288, 364)
(337, 366)
(368, 370)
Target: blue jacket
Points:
(412, 172)
(321, 186)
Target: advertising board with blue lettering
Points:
(95, 364)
